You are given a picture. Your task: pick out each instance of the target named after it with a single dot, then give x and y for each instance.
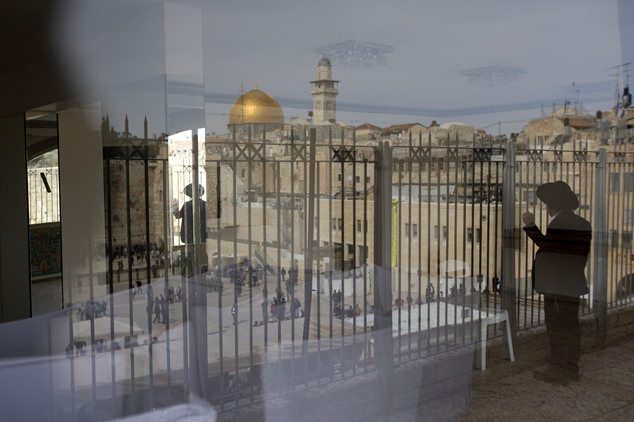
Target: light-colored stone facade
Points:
(324, 91)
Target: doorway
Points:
(45, 242)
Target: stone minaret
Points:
(324, 91)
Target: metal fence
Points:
(319, 259)
(292, 227)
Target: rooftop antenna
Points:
(626, 67)
(627, 97)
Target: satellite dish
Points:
(349, 178)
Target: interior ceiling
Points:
(41, 135)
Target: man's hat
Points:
(188, 190)
(558, 195)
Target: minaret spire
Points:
(324, 91)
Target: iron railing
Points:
(393, 252)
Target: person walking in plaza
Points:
(157, 311)
(559, 274)
(429, 292)
(164, 309)
(265, 310)
(234, 313)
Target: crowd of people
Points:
(276, 308)
(160, 310)
(340, 311)
(93, 309)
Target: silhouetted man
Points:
(559, 274)
(186, 213)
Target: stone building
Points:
(563, 122)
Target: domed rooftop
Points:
(256, 106)
(324, 62)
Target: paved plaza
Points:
(505, 391)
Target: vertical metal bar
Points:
(331, 257)
(600, 248)
(220, 286)
(308, 264)
(110, 285)
(529, 248)
(236, 277)
(279, 280)
(445, 233)
(509, 234)
(487, 238)
(130, 258)
(343, 251)
(519, 210)
(541, 181)
(265, 264)
(611, 183)
(399, 253)
(186, 292)
(250, 275)
(439, 233)
(469, 202)
(354, 249)
(618, 218)
(166, 220)
(419, 238)
(383, 277)
(429, 242)
(410, 234)
(627, 206)
(498, 253)
(318, 266)
(614, 193)
(364, 227)
(459, 297)
(588, 184)
(292, 279)
(149, 275)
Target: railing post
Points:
(197, 292)
(600, 285)
(308, 270)
(384, 343)
(510, 235)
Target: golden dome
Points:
(256, 106)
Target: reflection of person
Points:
(186, 212)
(559, 274)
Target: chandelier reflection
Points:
(356, 54)
(493, 75)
